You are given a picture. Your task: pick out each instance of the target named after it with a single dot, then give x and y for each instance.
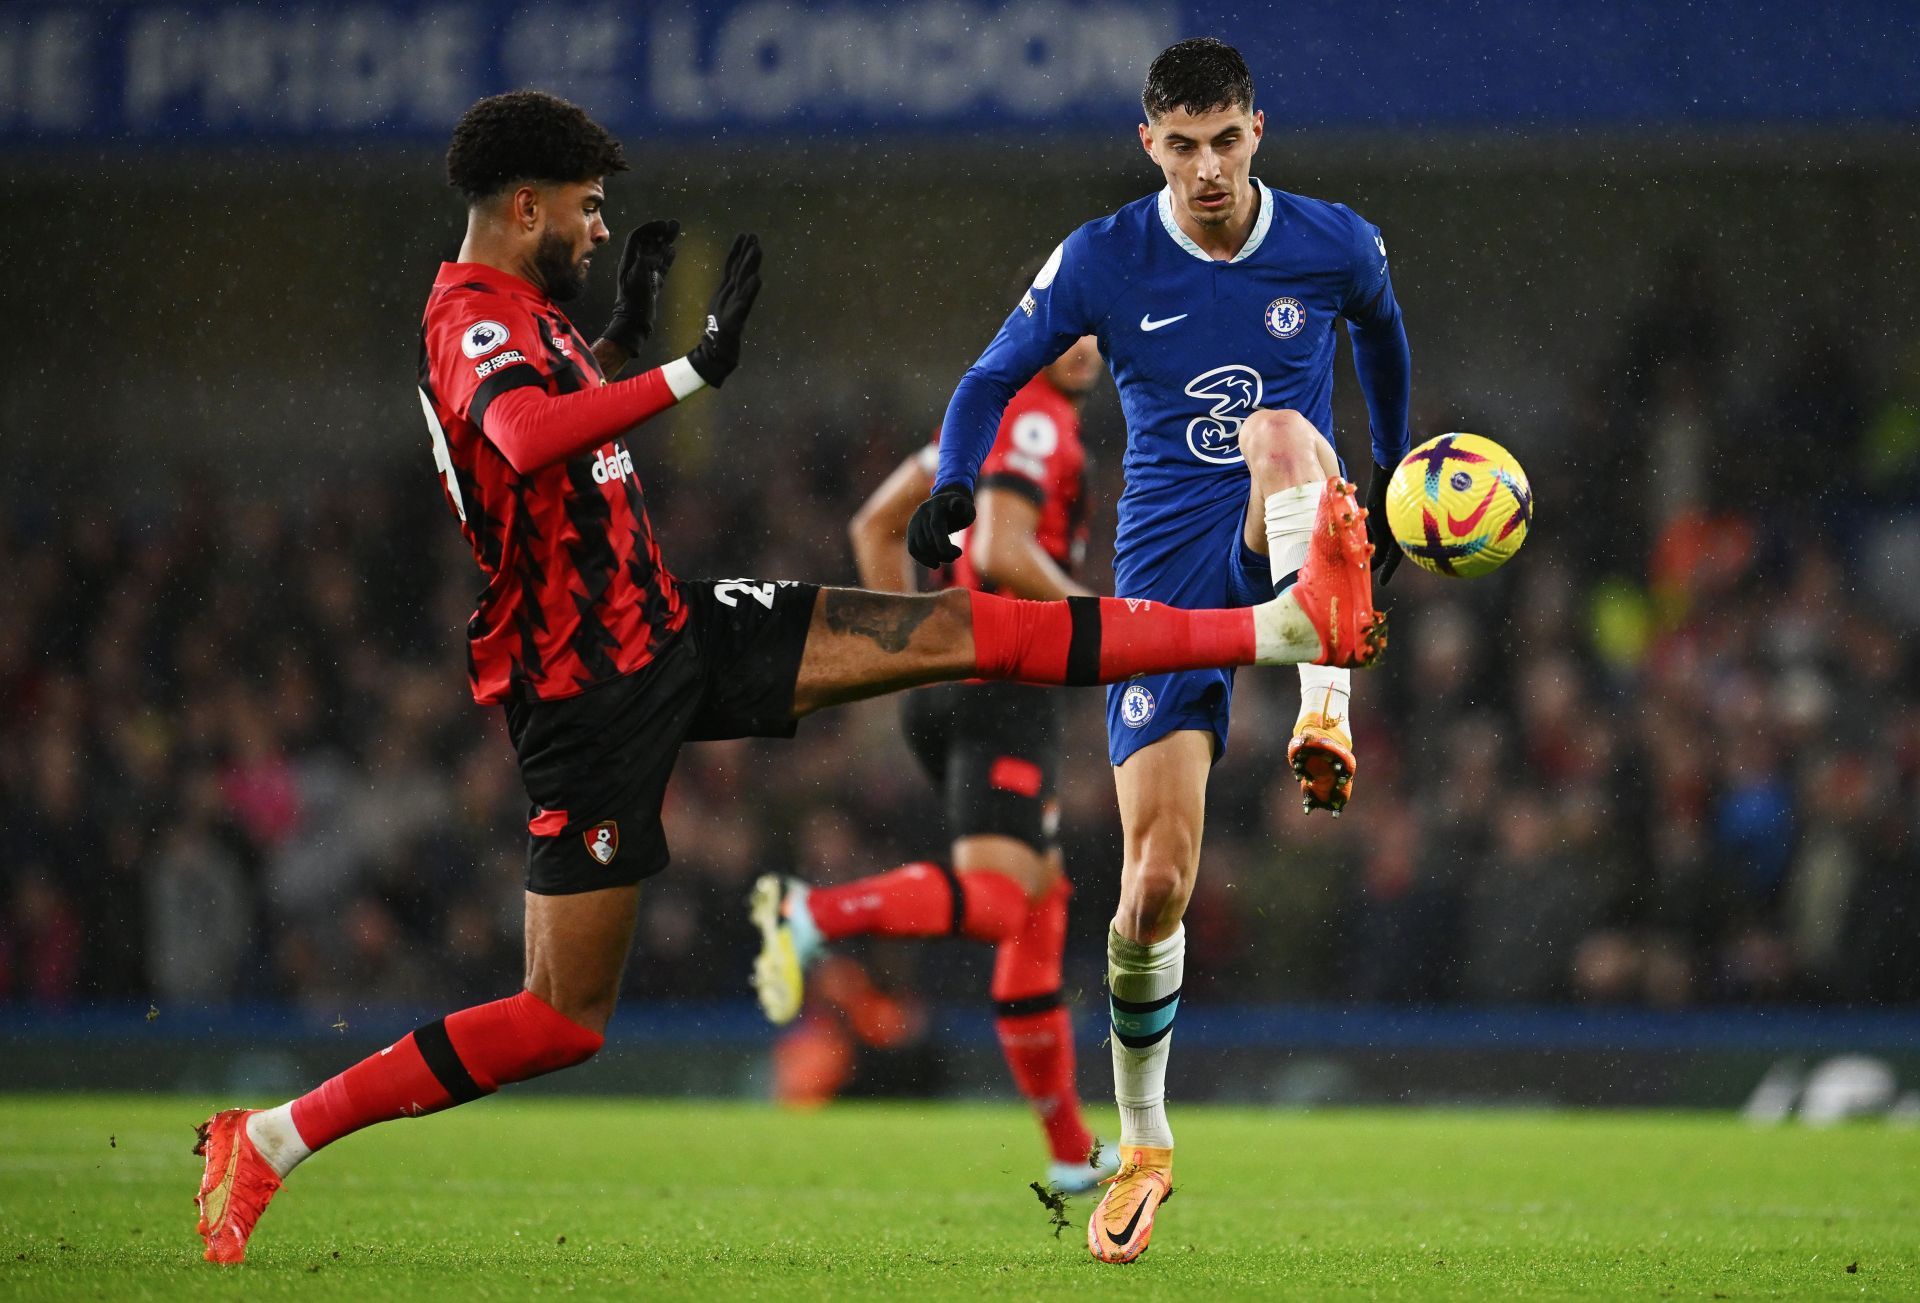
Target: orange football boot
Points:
(1335, 587)
(1321, 754)
(1120, 1227)
(236, 1187)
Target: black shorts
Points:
(596, 765)
(993, 749)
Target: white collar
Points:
(1260, 225)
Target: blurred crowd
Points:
(1670, 756)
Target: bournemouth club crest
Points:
(603, 841)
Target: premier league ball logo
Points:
(482, 338)
(1285, 317)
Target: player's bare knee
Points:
(1283, 448)
(1152, 899)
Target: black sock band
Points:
(1083, 648)
(1028, 1005)
(444, 1063)
(957, 923)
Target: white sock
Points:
(273, 1134)
(1284, 635)
(1290, 514)
(1328, 690)
(1143, 986)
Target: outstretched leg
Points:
(862, 644)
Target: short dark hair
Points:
(527, 135)
(1199, 75)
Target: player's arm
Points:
(1383, 364)
(1005, 548)
(534, 429)
(645, 260)
(1049, 318)
(879, 528)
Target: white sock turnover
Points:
(273, 1134)
(1282, 633)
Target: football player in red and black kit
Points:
(993, 750)
(604, 663)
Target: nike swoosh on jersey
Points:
(1133, 1221)
(1148, 323)
(1460, 527)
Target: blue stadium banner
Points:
(139, 71)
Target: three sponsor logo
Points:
(1235, 391)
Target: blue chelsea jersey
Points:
(1196, 345)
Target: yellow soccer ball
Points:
(1459, 505)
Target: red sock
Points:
(1036, 1032)
(460, 1057)
(1087, 640)
(919, 900)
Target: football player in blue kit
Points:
(1215, 302)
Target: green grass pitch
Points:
(646, 1199)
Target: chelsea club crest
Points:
(1285, 316)
(1136, 705)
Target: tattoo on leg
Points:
(884, 620)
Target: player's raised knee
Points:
(1283, 447)
(1280, 441)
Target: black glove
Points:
(644, 263)
(1386, 552)
(929, 533)
(718, 352)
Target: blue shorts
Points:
(1147, 707)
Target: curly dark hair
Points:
(1198, 75)
(527, 135)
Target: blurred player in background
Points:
(993, 749)
(1215, 302)
(604, 663)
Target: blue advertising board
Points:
(138, 71)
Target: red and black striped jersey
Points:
(577, 592)
(1037, 454)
